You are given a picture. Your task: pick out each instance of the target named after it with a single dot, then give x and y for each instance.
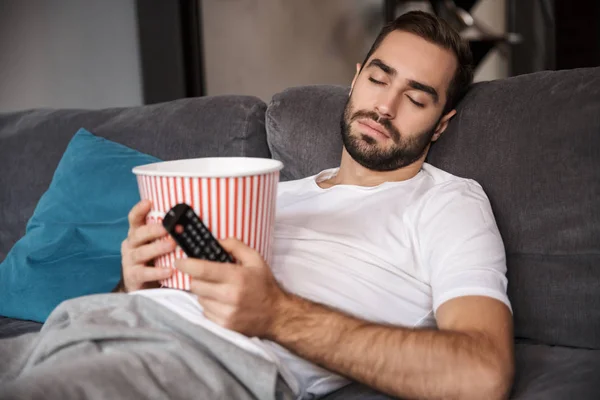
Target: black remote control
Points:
(192, 235)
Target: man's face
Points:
(395, 108)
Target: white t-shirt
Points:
(390, 254)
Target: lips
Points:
(374, 126)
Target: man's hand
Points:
(140, 248)
(243, 297)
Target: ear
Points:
(442, 125)
(355, 77)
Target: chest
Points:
(358, 252)
(378, 228)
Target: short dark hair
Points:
(437, 31)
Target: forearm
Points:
(413, 363)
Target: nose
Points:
(387, 104)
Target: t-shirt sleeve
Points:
(461, 244)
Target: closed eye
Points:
(375, 81)
(416, 103)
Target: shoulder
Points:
(441, 180)
(451, 194)
(443, 185)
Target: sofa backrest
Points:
(32, 143)
(533, 143)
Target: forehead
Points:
(415, 58)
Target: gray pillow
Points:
(303, 129)
(32, 143)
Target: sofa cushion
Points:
(32, 143)
(356, 391)
(10, 327)
(555, 373)
(533, 143)
(303, 129)
(72, 246)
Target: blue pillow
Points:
(72, 243)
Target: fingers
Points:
(137, 215)
(147, 233)
(240, 251)
(209, 290)
(206, 270)
(153, 274)
(148, 252)
(141, 275)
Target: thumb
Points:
(244, 254)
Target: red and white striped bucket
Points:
(234, 197)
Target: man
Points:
(385, 270)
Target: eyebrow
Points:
(376, 62)
(424, 88)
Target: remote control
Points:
(192, 235)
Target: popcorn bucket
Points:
(234, 197)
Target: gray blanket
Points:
(117, 346)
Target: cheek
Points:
(364, 96)
(411, 121)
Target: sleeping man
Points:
(385, 270)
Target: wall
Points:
(68, 53)
(260, 47)
(85, 53)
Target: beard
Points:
(370, 154)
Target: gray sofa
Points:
(533, 142)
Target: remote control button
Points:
(207, 236)
(207, 250)
(190, 214)
(201, 242)
(196, 251)
(212, 257)
(216, 247)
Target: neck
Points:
(352, 173)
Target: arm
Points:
(469, 357)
